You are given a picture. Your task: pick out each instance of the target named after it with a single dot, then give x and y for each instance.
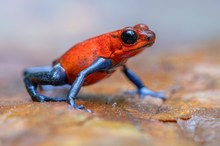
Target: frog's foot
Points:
(42, 98)
(147, 92)
(78, 107)
(55, 99)
(72, 103)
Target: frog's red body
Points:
(107, 46)
(91, 61)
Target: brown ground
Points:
(190, 116)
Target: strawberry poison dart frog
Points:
(91, 61)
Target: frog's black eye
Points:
(129, 37)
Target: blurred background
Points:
(35, 32)
(39, 26)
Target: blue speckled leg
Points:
(142, 90)
(46, 76)
(37, 69)
(100, 64)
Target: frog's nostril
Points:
(149, 36)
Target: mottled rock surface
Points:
(190, 116)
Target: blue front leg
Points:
(142, 90)
(99, 65)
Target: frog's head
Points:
(135, 39)
(129, 41)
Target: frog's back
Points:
(82, 55)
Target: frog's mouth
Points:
(139, 48)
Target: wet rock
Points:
(203, 127)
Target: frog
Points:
(93, 60)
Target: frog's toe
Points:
(133, 92)
(55, 99)
(79, 107)
(147, 92)
(161, 95)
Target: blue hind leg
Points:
(142, 90)
(36, 76)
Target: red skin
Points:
(109, 46)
